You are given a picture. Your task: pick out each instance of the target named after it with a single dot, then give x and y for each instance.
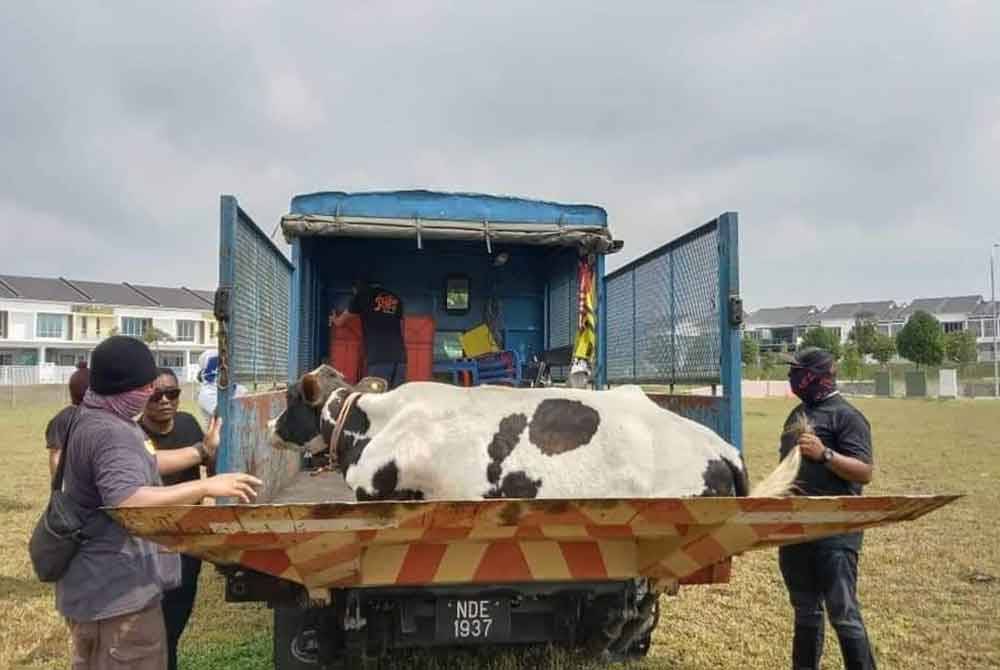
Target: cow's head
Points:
(313, 404)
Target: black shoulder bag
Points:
(64, 526)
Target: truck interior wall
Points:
(532, 280)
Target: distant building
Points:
(779, 328)
(57, 322)
(782, 328)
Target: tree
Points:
(921, 340)
(851, 363)
(824, 338)
(960, 348)
(767, 361)
(863, 333)
(884, 349)
(154, 336)
(751, 351)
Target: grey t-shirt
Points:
(114, 573)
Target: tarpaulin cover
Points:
(431, 215)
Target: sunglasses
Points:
(169, 394)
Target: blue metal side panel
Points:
(254, 337)
(447, 206)
(668, 323)
(729, 286)
(602, 326)
(250, 450)
(295, 307)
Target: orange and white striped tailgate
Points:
(329, 545)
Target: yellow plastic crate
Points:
(479, 341)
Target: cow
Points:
(432, 441)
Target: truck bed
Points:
(309, 487)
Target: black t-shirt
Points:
(55, 432)
(381, 313)
(186, 433)
(845, 430)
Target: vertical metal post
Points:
(635, 346)
(295, 310)
(602, 324)
(225, 460)
(996, 322)
(730, 368)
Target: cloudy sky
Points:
(859, 141)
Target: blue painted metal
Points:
(601, 377)
(447, 206)
(731, 363)
(250, 449)
(295, 308)
(255, 348)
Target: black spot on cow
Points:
(561, 425)
(298, 424)
(384, 485)
(517, 485)
(723, 478)
(503, 442)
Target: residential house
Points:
(841, 317)
(57, 321)
(984, 325)
(779, 328)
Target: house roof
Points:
(49, 289)
(852, 310)
(781, 316)
(963, 304)
(985, 309)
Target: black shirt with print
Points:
(844, 429)
(186, 433)
(381, 313)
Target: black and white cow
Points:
(430, 441)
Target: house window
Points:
(6, 358)
(953, 326)
(171, 359)
(51, 325)
(134, 326)
(3, 325)
(976, 328)
(185, 331)
(989, 327)
(83, 326)
(211, 330)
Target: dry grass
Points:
(923, 607)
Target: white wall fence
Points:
(49, 373)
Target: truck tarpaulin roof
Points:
(332, 545)
(426, 215)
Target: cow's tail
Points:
(781, 482)
(741, 480)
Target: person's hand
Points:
(811, 447)
(233, 484)
(211, 440)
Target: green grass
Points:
(923, 605)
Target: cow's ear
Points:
(310, 389)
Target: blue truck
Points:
(668, 320)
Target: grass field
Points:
(926, 586)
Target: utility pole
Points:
(996, 322)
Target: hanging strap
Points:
(338, 428)
(57, 478)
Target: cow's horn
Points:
(371, 385)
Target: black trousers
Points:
(822, 578)
(178, 604)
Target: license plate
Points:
(473, 620)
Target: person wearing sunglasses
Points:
(181, 448)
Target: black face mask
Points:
(811, 386)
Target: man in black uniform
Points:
(381, 313)
(181, 448)
(836, 461)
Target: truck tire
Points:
(291, 649)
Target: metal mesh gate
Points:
(668, 321)
(259, 279)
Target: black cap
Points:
(813, 358)
(120, 364)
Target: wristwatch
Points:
(827, 456)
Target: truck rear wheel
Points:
(296, 646)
